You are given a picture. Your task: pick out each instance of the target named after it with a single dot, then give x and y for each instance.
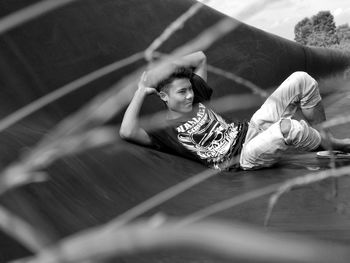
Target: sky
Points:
(279, 17)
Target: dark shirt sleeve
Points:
(162, 140)
(157, 140)
(202, 91)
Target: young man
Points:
(197, 132)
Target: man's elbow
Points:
(202, 55)
(125, 134)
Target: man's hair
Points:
(179, 73)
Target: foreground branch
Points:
(15, 227)
(302, 181)
(231, 240)
(172, 28)
(29, 13)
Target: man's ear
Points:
(163, 96)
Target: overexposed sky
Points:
(281, 16)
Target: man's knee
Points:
(285, 126)
(308, 90)
(300, 134)
(304, 80)
(301, 75)
(316, 114)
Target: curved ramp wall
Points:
(93, 187)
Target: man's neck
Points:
(172, 115)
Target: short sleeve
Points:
(202, 91)
(157, 140)
(162, 139)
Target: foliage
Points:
(303, 30)
(343, 33)
(320, 30)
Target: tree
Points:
(320, 30)
(343, 33)
(303, 30)
(324, 29)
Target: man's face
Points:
(179, 97)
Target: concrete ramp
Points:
(93, 187)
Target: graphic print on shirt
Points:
(207, 135)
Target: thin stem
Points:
(229, 75)
(302, 181)
(171, 29)
(66, 89)
(21, 231)
(232, 240)
(29, 13)
(229, 203)
(159, 198)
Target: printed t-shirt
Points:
(201, 134)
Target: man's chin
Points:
(188, 109)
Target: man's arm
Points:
(130, 128)
(196, 60)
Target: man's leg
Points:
(298, 90)
(266, 148)
(333, 143)
(272, 131)
(326, 141)
(314, 115)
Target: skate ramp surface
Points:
(93, 187)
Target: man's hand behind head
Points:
(143, 85)
(157, 74)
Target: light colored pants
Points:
(264, 142)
